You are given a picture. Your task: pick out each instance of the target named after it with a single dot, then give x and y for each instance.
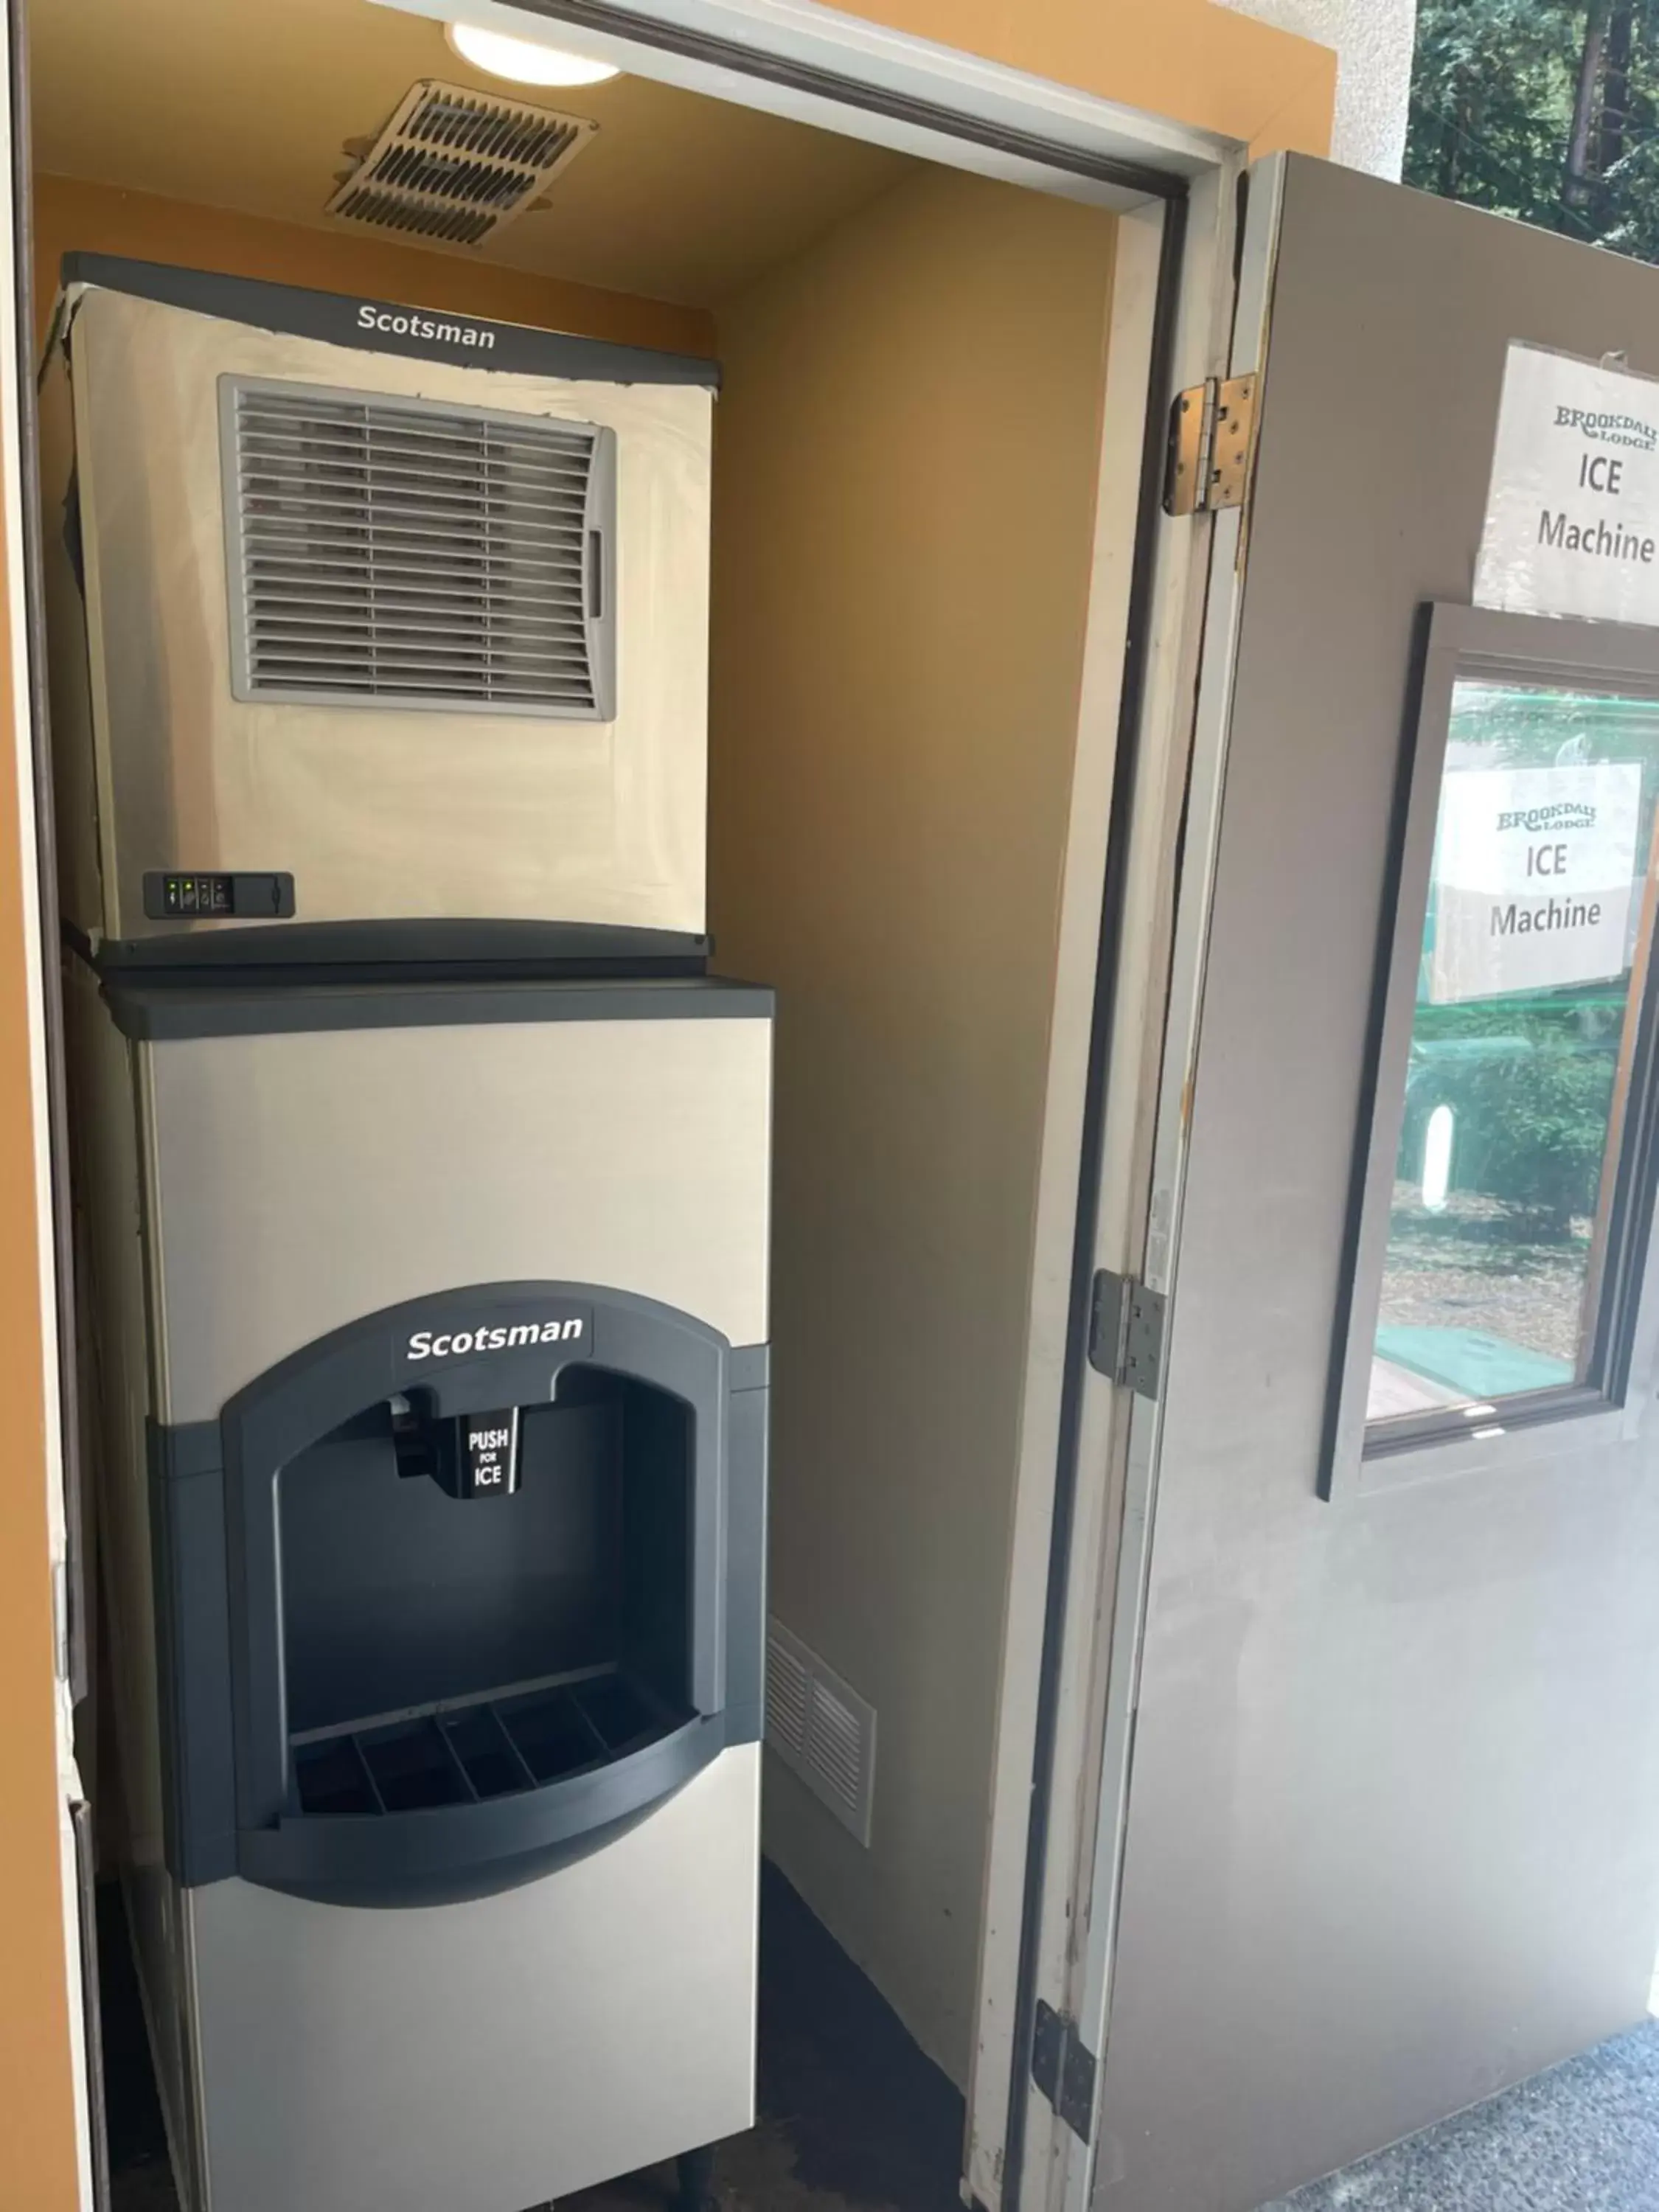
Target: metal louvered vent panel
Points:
(456, 164)
(821, 1729)
(789, 1692)
(400, 552)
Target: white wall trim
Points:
(869, 54)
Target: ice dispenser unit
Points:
(433, 1468)
(425, 1223)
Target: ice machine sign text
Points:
(1533, 874)
(454, 1344)
(1572, 510)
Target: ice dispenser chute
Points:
(432, 1689)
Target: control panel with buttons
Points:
(213, 894)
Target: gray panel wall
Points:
(1393, 1833)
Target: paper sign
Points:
(1572, 511)
(1533, 878)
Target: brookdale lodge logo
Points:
(1607, 428)
(1564, 814)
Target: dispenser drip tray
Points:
(462, 1752)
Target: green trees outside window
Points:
(1544, 111)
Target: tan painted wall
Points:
(1190, 60)
(71, 215)
(904, 480)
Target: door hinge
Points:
(1209, 462)
(1063, 2067)
(1125, 1332)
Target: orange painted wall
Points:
(38, 2133)
(70, 215)
(1190, 60)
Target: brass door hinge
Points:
(1209, 460)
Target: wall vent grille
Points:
(399, 552)
(821, 1729)
(456, 164)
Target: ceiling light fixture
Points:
(522, 61)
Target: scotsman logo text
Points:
(423, 326)
(424, 1346)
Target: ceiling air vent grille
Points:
(821, 1729)
(399, 552)
(456, 164)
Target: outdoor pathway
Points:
(1584, 2137)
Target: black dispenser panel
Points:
(483, 1604)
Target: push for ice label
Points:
(489, 1453)
(1532, 879)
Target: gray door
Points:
(1392, 1838)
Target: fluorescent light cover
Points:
(522, 61)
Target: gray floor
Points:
(1584, 2137)
(854, 2119)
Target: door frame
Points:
(1084, 1471)
(1086, 1452)
(1097, 1881)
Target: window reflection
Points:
(1534, 952)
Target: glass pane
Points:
(1535, 949)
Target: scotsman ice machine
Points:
(424, 1218)
(392, 619)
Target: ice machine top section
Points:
(382, 326)
(355, 635)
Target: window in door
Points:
(1505, 1204)
(1523, 1038)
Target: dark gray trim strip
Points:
(849, 91)
(192, 1650)
(154, 1012)
(544, 948)
(373, 325)
(750, 1366)
(748, 1417)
